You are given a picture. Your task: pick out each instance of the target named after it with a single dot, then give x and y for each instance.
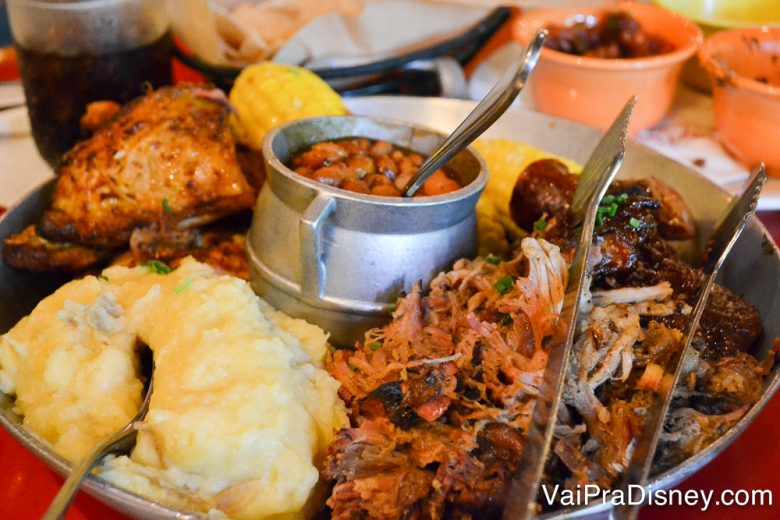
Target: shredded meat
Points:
(440, 398)
(635, 314)
(442, 395)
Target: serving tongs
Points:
(736, 217)
(492, 106)
(595, 178)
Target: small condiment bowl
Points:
(744, 66)
(594, 90)
(717, 15)
(339, 259)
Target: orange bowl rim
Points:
(716, 69)
(544, 16)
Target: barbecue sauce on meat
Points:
(440, 397)
(638, 255)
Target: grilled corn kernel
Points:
(269, 94)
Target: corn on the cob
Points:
(505, 160)
(269, 94)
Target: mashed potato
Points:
(73, 368)
(242, 408)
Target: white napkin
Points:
(383, 28)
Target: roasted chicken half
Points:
(166, 160)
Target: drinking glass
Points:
(74, 52)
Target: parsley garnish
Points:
(609, 206)
(540, 225)
(352, 367)
(504, 284)
(506, 320)
(634, 223)
(102, 278)
(493, 259)
(183, 286)
(166, 206)
(156, 267)
(375, 346)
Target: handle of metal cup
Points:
(310, 235)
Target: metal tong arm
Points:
(120, 441)
(597, 175)
(737, 216)
(485, 114)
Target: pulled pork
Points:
(440, 397)
(635, 318)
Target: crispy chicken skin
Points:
(31, 252)
(97, 114)
(173, 145)
(222, 249)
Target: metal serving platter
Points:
(753, 271)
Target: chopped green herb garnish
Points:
(612, 211)
(634, 223)
(183, 286)
(374, 347)
(599, 219)
(504, 284)
(352, 367)
(540, 225)
(166, 206)
(623, 197)
(493, 259)
(156, 267)
(607, 200)
(506, 320)
(102, 278)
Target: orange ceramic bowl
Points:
(744, 65)
(594, 90)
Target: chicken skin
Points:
(167, 158)
(170, 151)
(31, 252)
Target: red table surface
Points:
(27, 485)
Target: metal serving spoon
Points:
(486, 112)
(121, 441)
